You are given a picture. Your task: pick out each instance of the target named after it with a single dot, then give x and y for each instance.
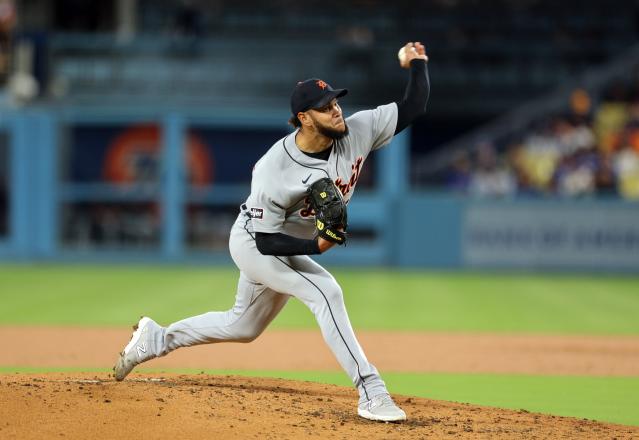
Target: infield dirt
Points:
(81, 406)
(305, 350)
(169, 406)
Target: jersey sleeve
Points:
(267, 212)
(379, 124)
(267, 215)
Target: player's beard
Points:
(332, 133)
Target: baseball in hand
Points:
(402, 54)
(411, 51)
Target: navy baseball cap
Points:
(313, 93)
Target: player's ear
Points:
(305, 119)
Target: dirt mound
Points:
(81, 406)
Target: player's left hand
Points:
(330, 210)
(412, 51)
(324, 244)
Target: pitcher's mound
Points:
(88, 406)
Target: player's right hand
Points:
(413, 51)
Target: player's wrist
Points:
(418, 64)
(323, 245)
(314, 247)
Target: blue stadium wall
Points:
(52, 155)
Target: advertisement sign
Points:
(559, 235)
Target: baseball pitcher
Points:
(297, 207)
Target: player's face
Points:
(329, 121)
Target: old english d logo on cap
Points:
(313, 93)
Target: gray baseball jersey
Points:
(277, 204)
(280, 178)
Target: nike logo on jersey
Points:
(306, 180)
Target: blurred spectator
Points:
(611, 117)
(541, 153)
(517, 161)
(580, 103)
(575, 175)
(458, 178)
(7, 24)
(573, 155)
(626, 166)
(631, 132)
(573, 137)
(490, 178)
(605, 179)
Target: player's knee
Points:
(248, 334)
(333, 293)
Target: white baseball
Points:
(402, 54)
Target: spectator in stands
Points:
(571, 155)
(491, 178)
(611, 116)
(605, 179)
(516, 155)
(541, 153)
(458, 177)
(573, 136)
(626, 166)
(575, 174)
(631, 130)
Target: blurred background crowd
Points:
(530, 98)
(591, 150)
(487, 58)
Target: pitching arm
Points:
(416, 96)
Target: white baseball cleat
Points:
(381, 408)
(139, 348)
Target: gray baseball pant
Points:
(265, 285)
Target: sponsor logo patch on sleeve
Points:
(257, 213)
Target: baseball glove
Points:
(330, 210)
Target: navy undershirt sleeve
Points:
(415, 98)
(284, 245)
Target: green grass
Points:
(376, 299)
(610, 399)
